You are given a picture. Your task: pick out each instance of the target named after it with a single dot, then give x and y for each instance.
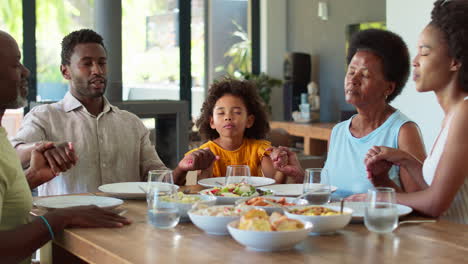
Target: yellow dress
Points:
(249, 153)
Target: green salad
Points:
(237, 190)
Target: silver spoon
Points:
(416, 221)
(341, 205)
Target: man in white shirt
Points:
(96, 142)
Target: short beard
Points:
(19, 102)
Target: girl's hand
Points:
(279, 157)
(198, 160)
(292, 168)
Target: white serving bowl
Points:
(213, 225)
(183, 208)
(268, 241)
(323, 224)
(270, 208)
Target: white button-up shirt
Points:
(112, 147)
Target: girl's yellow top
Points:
(249, 153)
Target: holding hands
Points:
(61, 157)
(48, 160)
(379, 161)
(285, 161)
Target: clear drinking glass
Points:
(317, 189)
(237, 173)
(381, 214)
(161, 214)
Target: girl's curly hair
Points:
(245, 90)
(451, 18)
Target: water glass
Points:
(381, 214)
(161, 214)
(237, 173)
(317, 189)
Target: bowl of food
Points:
(325, 219)
(185, 202)
(230, 193)
(260, 232)
(214, 219)
(271, 203)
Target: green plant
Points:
(239, 66)
(264, 84)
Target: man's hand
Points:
(62, 157)
(39, 171)
(285, 161)
(198, 160)
(88, 216)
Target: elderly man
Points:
(19, 237)
(95, 142)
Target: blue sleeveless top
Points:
(345, 160)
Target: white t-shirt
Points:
(458, 211)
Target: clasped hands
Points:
(48, 159)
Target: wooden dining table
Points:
(140, 242)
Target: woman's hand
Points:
(379, 160)
(285, 161)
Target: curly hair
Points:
(245, 90)
(81, 36)
(451, 18)
(392, 51)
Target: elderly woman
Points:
(378, 69)
(441, 66)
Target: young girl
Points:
(234, 121)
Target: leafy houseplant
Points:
(240, 66)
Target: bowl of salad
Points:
(185, 202)
(230, 193)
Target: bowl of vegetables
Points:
(185, 202)
(230, 193)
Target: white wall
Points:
(293, 26)
(408, 18)
(273, 37)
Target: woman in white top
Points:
(441, 66)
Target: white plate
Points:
(126, 190)
(77, 200)
(359, 208)
(290, 189)
(253, 180)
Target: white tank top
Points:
(458, 210)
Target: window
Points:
(198, 56)
(150, 49)
(55, 19)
